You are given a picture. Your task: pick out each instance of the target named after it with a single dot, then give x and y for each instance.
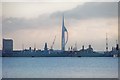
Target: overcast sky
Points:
(32, 23)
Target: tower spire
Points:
(63, 20)
(63, 41)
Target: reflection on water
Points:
(60, 67)
(0, 67)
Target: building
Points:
(7, 45)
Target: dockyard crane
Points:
(53, 43)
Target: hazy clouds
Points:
(86, 11)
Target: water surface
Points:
(60, 67)
(0, 67)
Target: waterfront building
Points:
(7, 45)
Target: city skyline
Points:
(87, 24)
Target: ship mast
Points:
(106, 42)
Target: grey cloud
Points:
(14, 24)
(91, 10)
(86, 11)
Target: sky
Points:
(34, 23)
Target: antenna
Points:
(106, 42)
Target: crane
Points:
(53, 43)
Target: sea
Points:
(59, 67)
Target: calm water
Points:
(0, 68)
(60, 67)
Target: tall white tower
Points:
(63, 42)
